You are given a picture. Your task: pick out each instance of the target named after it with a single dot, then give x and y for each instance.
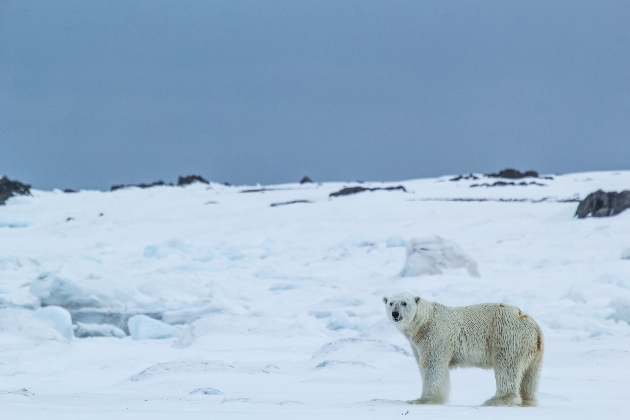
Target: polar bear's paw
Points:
(529, 403)
(503, 401)
(425, 401)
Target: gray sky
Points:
(95, 93)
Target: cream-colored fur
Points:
(490, 336)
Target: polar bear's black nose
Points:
(395, 315)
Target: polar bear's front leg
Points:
(416, 355)
(435, 383)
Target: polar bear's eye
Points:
(404, 304)
(391, 303)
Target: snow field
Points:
(278, 309)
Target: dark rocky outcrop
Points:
(255, 190)
(289, 202)
(181, 181)
(603, 204)
(190, 179)
(513, 174)
(465, 177)
(355, 190)
(504, 200)
(506, 184)
(10, 188)
(306, 180)
(153, 184)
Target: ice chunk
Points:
(113, 317)
(395, 241)
(51, 289)
(433, 254)
(18, 325)
(142, 327)
(625, 254)
(622, 310)
(57, 318)
(187, 316)
(110, 292)
(97, 330)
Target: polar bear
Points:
(490, 336)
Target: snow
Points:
(394, 241)
(275, 311)
(206, 391)
(13, 224)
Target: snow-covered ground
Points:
(259, 311)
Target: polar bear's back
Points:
(481, 332)
(472, 329)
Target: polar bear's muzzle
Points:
(396, 316)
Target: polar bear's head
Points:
(401, 307)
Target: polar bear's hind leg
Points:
(508, 378)
(529, 385)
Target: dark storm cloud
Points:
(103, 92)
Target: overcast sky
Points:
(95, 93)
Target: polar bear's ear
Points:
(417, 299)
(384, 300)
